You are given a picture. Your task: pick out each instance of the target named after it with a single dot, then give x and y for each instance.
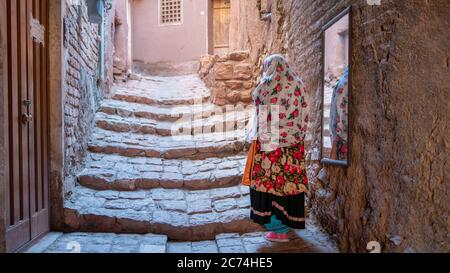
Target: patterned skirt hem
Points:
(290, 210)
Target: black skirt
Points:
(290, 210)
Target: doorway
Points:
(221, 26)
(26, 187)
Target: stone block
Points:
(153, 239)
(225, 193)
(173, 205)
(166, 194)
(248, 85)
(199, 206)
(148, 248)
(239, 56)
(171, 218)
(179, 247)
(234, 84)
(203, 219)
(224, 204)
(133, 195)
(243, 72)
(233, 96)
(229, 242)
(224, 71)
(204, 247)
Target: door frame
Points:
(56, 95)
(55, 120)
(3, 122)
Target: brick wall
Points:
(83, 85)
(393, 192)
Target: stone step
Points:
(189, 126)
(180, 214)
(310, 240)
(58, 242)
(114, 172)
(200, 146)
(178, 90)
(137, 97)
(166, 113)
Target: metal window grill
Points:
(171, 12)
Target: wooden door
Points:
(221, 24)
(27, 214)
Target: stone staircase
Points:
(150, 169)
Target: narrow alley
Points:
(138, 126)
(141, 177)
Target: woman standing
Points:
(278, 174)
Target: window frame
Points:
(160, 22)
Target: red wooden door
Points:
(27, 214)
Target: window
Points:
(170, 12)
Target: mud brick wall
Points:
(81, 49)
(397, 186)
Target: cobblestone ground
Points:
(150, 170)
(302, 241)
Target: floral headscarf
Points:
(280, 100)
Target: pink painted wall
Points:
(180, 43)
(122, 35)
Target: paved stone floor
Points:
(310, 240)
(177, 90)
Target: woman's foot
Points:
(277, 237)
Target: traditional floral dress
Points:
(339, 117)
(279, 179)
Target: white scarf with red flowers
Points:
(281, 107)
